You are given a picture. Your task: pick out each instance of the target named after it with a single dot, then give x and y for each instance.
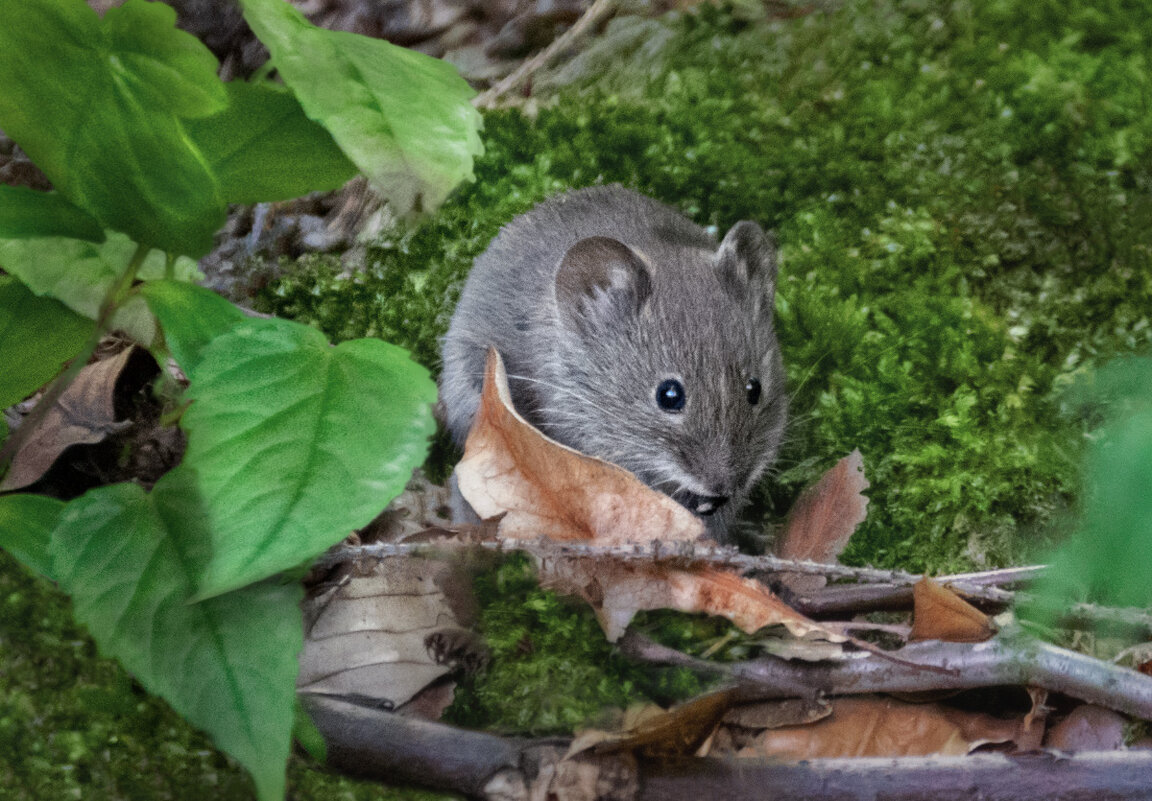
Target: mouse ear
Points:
(600, 280)
(746, 262)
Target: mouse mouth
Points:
(703, 505)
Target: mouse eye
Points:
(753, 390)
(670, 395)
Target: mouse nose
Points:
(702, 505)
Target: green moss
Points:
(74, 725)
(958, 189)
(551, 669)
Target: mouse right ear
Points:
(600, 280)
(746, 262)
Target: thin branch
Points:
(1006, 659)
(596, 12)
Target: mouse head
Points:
(668, 365)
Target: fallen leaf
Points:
(651, 731)
(90, 410)
(617, 590)
(1088, 728)
(884, 727)
(549, 490)
(390, 633)
(822, 520)
(940, 614)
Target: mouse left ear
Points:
(746, 261)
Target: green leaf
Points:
(1107, 559)
(80, 274)
(296, 442)
(262, 147)
(25, 212)
(37, 336)
(401, 116)
(228, 664)
(191, 317)
(97, 105)
(26, 524)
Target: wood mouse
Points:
(629, 334)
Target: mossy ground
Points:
(961, 191)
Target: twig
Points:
(369, 742)
(595, 13)
(1007, 659)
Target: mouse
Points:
(630, 334)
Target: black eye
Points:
(753, 390)
(670, 395)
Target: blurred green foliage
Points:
(960, 190)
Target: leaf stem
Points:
(112, 300)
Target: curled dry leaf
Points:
(618, 590)
(941, 614)
(546, 489)
(823, 518)
(550, 490)
(390, 632)
(90, 410)
(651, 731)
(885, 727)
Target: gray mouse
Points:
(629, 334)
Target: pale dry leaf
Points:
(1088, 728)
(884, 727)
(823, 519)
(617, 590)
(85, 414)
(940, 614)
(547, 489)
(377, 634)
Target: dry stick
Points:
(889, 588)
(1003, 660)
(595, 13)
(369, 742)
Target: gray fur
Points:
(661, 301)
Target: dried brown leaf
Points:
(1088, 728)
(655, 732)
(884, 727)
(940, 614)
(823, 519)
(88, 412)
(548, 489)
(617, 590)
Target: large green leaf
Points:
(37, 335)
(296, 442)
(26, 523)
(80, 274)
(191, 317)
(402, 117)
(26, 212)
(262, 147)
(97, 104)
(228, 664)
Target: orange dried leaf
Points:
(652, 731)
(827, 513)
(548, 489)
(884, 727)
(823, 518)
(941, 614)
(617, 590)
